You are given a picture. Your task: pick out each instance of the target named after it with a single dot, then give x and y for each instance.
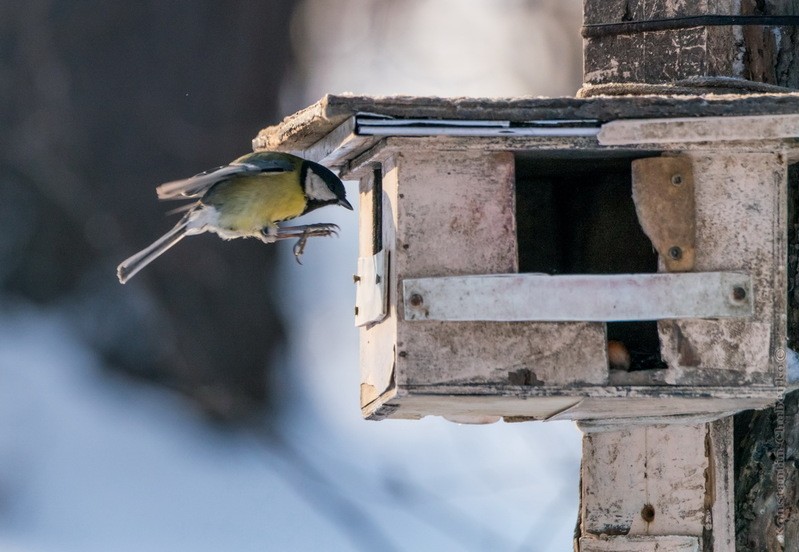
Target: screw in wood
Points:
(676, 180)
(675, 253)
(648, 513)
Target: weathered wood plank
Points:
(640, 544)
(644, 481)
(706, 129)
(305, 128)
(465, 224)
(576, 298)
(740, 225)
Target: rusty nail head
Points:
(648, 513)
(738, 293)
(676, 180)
(675, 253)
(416, 300)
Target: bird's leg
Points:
(307, 230)
(302, 233)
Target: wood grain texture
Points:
(305, 128)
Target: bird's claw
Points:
(314, 230)
(299, 247)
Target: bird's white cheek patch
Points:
(316, 188)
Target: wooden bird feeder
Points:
(504, 244)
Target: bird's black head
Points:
(322, 187)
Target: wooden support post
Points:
(660, 487)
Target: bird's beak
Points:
(345, 203)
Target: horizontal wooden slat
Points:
(705, 129)
(592, 297)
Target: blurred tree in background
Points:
(102, 101)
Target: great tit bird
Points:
(247, 199)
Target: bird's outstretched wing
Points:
(198, 184)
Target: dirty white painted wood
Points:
(427, 233)
(640, 544)
(592, 297)
(453, 214)
(371, 289)
(404, 404)
(644, 481)
(596, 407)
(655, 409)
(721, 484)
(378, 341)
(335, 148)
(640, 483)
(740, 225)
(699, 129)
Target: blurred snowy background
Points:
(212, 403)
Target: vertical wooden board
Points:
(739, 226)
(613, 481)
(455, 215)
(625, 470)
(721, 484)
(663, 193)
(377, 341)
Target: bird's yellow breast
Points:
(248, 204)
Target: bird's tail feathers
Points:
(130, 266)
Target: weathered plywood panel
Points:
(644, 481)
(740, 225)
(456, 216)
(501, 353)
(455, 213)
